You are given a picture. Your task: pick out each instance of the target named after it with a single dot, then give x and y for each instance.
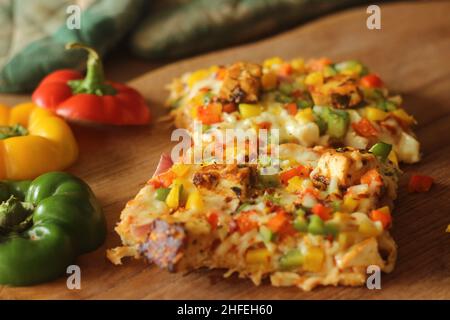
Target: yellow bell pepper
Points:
(314, 259)
(173, 198)
(269, 80)
(375, 114)
(294, 184)
(314, 79)
(393, 157)
(349, 204)
(249, 110)
(257, 256)
(180, 169)
(269, 63)
(405, 117)
(46, 145)
(305, 115)
(195, 201)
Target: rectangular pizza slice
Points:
(321, 220)
(314, 103)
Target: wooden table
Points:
(410, 52)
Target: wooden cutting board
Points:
(411, 52)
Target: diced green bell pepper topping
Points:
(162, 193)
(321, 123)
(337, 122)
(329, 71)
(353, 66)
(269, 180)
(292, 259)
(300, 224)
(316, 225)
(300, 212)
(381, 150)
(266, 234)
(283, 98)
(303, 104)
(331, 228)
(286, 88)
(336, 205)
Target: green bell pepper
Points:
(44, 225)
(381, 150)
(337, 122)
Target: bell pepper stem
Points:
(94, 81)
(14, 214)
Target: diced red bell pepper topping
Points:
(419, 183)
(318, 64)
(371, 81)
(381, 215)
(291, 109)
(229, 107)
(166, 178)
(301, 171)
(285, 70)
(365, 128)
(265, 125)
(245, 222)
(210, 113)
(371, 176)
(213, 220)
(322, 211)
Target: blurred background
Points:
(136, 35)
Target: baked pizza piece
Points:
(314, 103)
(321, 220)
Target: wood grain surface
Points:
(411, 52)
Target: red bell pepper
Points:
(371, 81)
(323, 212)
(383, 215)
(91, 99)
(365, 128)
(300, 170)
(419, 183)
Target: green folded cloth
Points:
(201, 25)
(34, 34)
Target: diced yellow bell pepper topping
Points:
(402, 115)
(173, 198)
(196, 76)
(375, 114)
(269, 63)
(349, 204)
(367, 228)
(195, 201)
(393, 157)
(305, 115)
(314, 259)
(314, 79)
(249, 110)
(180, 169)
(269, 81)
(385, 210)
(213, 69)
(448, 229)
(345, 239)
(257, 256)
(294, 184)
(298, 64)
